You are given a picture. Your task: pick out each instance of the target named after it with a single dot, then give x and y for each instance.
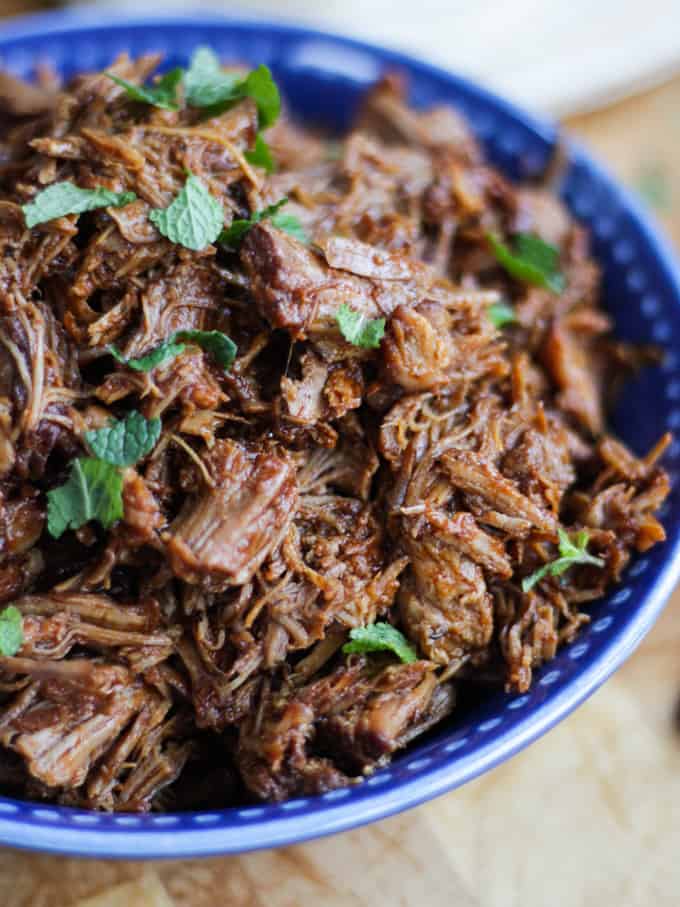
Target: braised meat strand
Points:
(302, 440)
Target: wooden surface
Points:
(589, 815)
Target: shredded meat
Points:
(226, 533)
(194, 652)
(316, 738)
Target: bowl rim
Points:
(288, 828)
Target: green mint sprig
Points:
(531, 261)
(64, 198)
(359, 330)
(380, 637)
(571, 552)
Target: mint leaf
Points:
(61, 199)
(123, 443)
(500, 314)
(193, 220)
(206, 85)
(571, 552)
(167, 350)
(261, 87)
(238, 228)
(205, 82)
(221, 348)
(533, 261)
(94, 491)
(261, 155)
(234, 233)
(380, 637)
(11, 631)
(359, 330)
(162, 94)
(291, 225)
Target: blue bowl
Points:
(324, 78)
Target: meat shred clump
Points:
(192, 653)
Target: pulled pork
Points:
(193, 652)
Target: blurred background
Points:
(589, 815)
(558, 57)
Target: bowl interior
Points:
(323, 78)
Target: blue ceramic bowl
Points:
(324, 78)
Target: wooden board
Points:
(586, 816)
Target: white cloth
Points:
(554, 56)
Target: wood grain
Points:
(586, 816)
